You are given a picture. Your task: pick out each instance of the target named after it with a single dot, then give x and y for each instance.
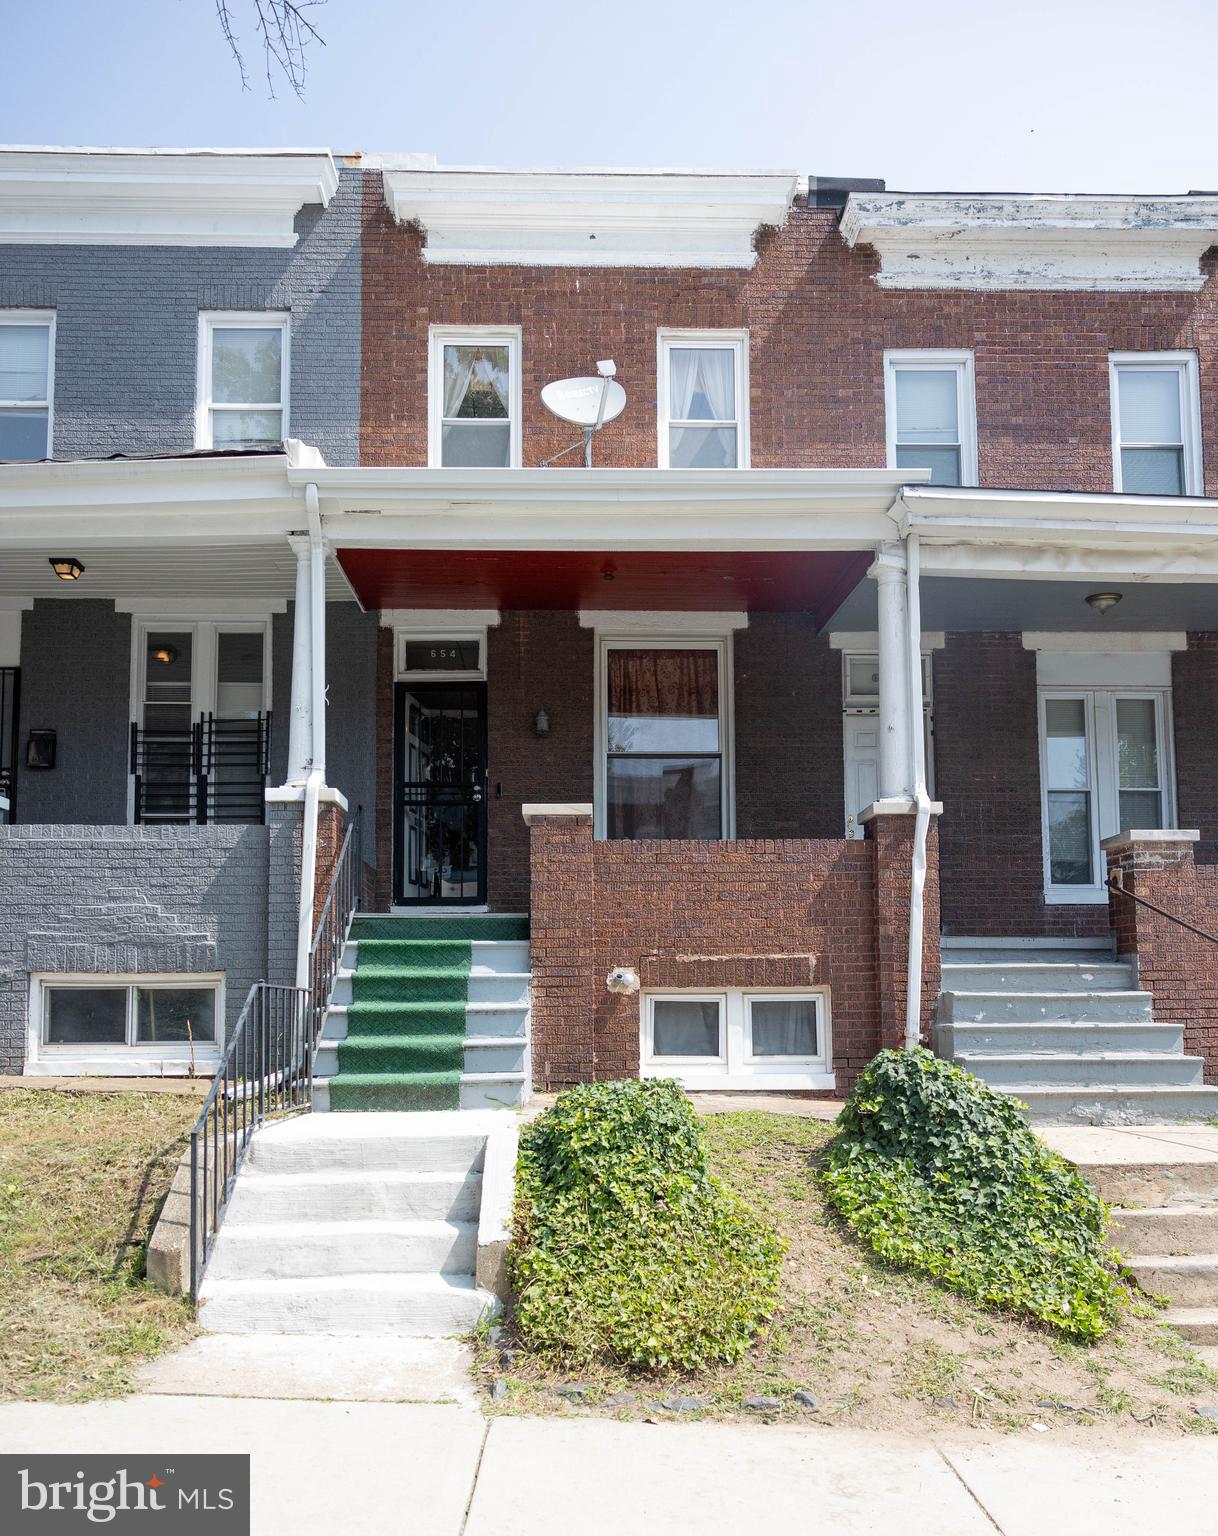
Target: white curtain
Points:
(708, 372)
(488, 366)
(23, 362)
(1150, 405)
(784, 1028)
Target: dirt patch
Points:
(82, 1177)
(877, 1348)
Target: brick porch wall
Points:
(1179, 968)
(987, 774)
(794, 912)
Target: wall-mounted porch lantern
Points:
(541, 723)
(67, 567)
(1102, 601)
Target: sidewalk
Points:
(375, 1468)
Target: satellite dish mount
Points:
(588, 404)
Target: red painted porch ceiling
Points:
(765, 581)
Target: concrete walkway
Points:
(376, 1468)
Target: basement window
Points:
(775, 1038)
(125, 1025)
(1156, 423)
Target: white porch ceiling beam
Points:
(1058, 562)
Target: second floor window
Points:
(243, 381)
(475, 398)
(27, 361)
(931, 415)
(1156, 431)
(703, 423)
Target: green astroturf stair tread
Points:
(404, 1048)
(473, 925)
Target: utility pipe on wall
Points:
(317, 773)
(917, 777)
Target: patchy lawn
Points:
(82, 1177)
(876, 1347)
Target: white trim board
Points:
(866, 642)
(438, 619)
(662, 622)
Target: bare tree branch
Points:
(284, 32)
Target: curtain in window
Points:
(703, 385)
(485, 367)
(670, 683)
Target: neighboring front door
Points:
(439, 844)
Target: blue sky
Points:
(943, 94)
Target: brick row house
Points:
(884, 610)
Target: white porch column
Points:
(888, 573)
(300, 735)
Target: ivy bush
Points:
(625, 1247)
(937, 1172)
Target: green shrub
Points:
(937, 1172)
(625, 1247)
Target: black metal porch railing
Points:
(269, 1061)
(330, 936)
(262, 1075)
(1114, 883)
(213, 771)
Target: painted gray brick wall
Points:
(127, 330)
(351, 714)
(76, 680)
(145, 899)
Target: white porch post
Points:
(888, 573)
(300, 735)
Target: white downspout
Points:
(917, 747)
(317, 772)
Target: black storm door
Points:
(439, 843)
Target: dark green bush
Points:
(625, 1247)
(937, 1172)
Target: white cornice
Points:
(593, 218)
(1010, 241)
(159, 197)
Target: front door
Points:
(439, 845)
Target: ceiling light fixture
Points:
(67, 567)
(1102, 601)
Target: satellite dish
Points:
(579, 400)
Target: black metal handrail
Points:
(333, 924)
(262, 1075)
(214, 770)
(1115, 883)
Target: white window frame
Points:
(723, 648)
(736, 341)
(155, 1059)
(211, 321)
(931, 360)
(440, 336)
(1184, 365)
(1099, 707)
(736, 1068)
(36, 317)
(204, 658)
(415, 633)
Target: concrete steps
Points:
(1063, 1027)
(353, 1223)
(1162, 1185)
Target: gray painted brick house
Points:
(159, 296)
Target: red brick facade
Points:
(798, 912)
(1179, 968)
(818, 327)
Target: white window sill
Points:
(121, 1063)
(794, 1080)
(1076, 896)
